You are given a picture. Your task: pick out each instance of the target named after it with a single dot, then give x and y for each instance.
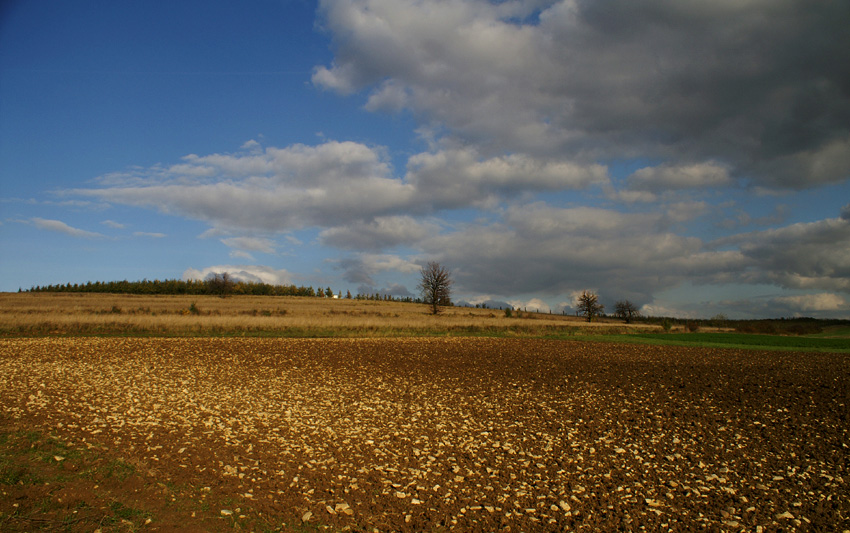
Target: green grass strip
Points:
(730, 340)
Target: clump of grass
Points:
(123, 512)
(12, 474)
(118, 469)
(47, 449)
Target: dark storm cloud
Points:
(760, 86)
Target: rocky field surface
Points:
(448, 434)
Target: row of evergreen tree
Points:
(217, 285)
(178, 286)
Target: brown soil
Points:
(419, 435)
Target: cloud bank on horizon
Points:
(609, 145)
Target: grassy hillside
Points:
(288, 316)
(85, 314)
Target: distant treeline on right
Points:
(772, 326)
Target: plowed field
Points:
(439, 434)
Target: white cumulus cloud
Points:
(672, 177)
(820, 302)
(251, 244)
(248, 273)
(61, 227)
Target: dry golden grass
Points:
(104, 314)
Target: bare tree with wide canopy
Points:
(589, 306)
(626, 310)
(435, 286)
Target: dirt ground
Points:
(422, 435)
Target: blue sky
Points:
(692, 157)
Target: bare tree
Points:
(626, 310)
(589, 306)
(435, 286)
